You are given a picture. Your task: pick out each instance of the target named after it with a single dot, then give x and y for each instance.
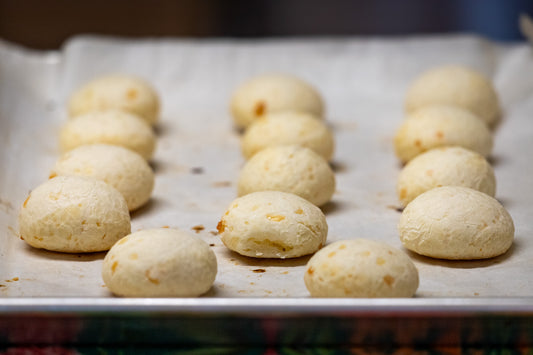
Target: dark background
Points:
(45, 24)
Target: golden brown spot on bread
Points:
(134, 256)
(132, 94)
(165, 227)
(38, 238)
(98, 224)
(310, 271)
(260, 108)
(342, 246)
(198, 228)
(122, 241)
(439, 134)
(275, 218)
(259, 270)
(403, 193)
(299, 211)
(388, 279)
(26, 201)
(331, 254)
(221, 226)
(150, 278)
(15, 279)
(418, 143)
(365, 253)
(429, 172)
(52, 175)
(114, 267)
(380, 261)
(83, 222)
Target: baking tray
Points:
(197, 162)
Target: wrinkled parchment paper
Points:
(198, 156)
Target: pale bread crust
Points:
(292, 169)
(273, 93)
(122, 92)
(438, 126)
(273, 224)
(360, 268)
(109, 127)
(288, 128)
(160, 262)
(458, 223)
(446, 166)
(455, 86)
(119, 167)
(74, 214)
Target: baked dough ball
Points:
(74, 214)
(445, 166)
(273, 224)
(293, 169)
(123, 92)
(159, 263)
(121, 168)
(109, 127)
(454, 222)
(288, 128)
(360, 268)
(455, 86)
(273, 93)
(437, 126)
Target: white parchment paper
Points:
(198, 157)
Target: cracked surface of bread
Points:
(123, 92)
(458, 223)
(74, 214)
(360, 268)
(273, 93)
(121, 168)
(161, 262)
(455, 86)
(438, 126)
(273, 224)
(287, 128)
(292, 169)
(446, 166)
(109, 127)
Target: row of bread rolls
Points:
(286, 175)
(101, 176)
(447, 186)
(285, 180)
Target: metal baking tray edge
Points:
(274, 321)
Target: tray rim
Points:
(272, 307)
